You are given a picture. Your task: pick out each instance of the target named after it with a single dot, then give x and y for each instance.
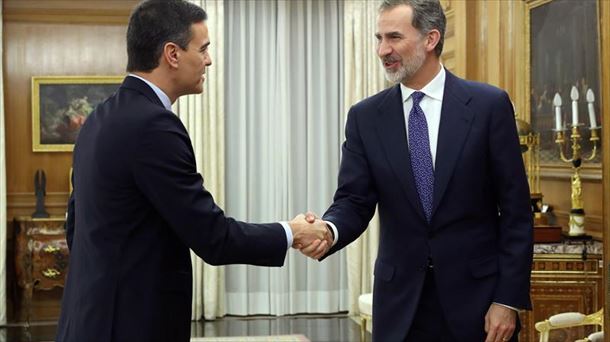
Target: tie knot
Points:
(417, 96)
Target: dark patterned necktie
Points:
(421, 158)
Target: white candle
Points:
(592, 116)
(591, 100)
(557, 105)
(574, 96)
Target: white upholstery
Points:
(596, 337)
(365, 304)
(567, 318)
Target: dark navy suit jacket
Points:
(137, 207)
(480, 234)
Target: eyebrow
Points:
(389, 34)
(204, 46)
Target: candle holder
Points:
(577, 213)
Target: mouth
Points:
(391, 64)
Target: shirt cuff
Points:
(288, 233)
(507, 306)
(335, 231)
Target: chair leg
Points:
(362, 329)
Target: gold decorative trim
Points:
(564, 257)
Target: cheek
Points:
(405, 51)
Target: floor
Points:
(336, 328)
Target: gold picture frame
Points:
(61, 104)
(539, 95)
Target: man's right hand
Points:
(305, 233)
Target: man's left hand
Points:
(500, 323)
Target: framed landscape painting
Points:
(60, 106)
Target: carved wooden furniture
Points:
(563, 283)
(41, 255)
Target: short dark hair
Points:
(427, 15)
(152, 24)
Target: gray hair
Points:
(428, 15)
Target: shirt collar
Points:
(160, 94)
(433, 89)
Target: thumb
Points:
(310, 217)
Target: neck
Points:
(161, 80)
(425, 74)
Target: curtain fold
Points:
(3, 218)
(364, 76)
(283, 124)
(203, 116)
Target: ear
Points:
(171, 54)
(432, 39)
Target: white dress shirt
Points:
(168, 105)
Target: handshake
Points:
(311, 235)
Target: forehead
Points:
(199, 33)
(397, 19)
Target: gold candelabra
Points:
(577, 212)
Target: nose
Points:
(208, 60)
(383, 48)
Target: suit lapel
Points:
(391, 130)
(456, 120)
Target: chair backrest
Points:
(568, 320)
(594, 337)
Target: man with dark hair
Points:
(440, 158)
(139, 204)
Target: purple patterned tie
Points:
(421, 158)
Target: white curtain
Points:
(284, 87)
(2, 192)
(203, 116)
(364, 77)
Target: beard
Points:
(408, 67)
